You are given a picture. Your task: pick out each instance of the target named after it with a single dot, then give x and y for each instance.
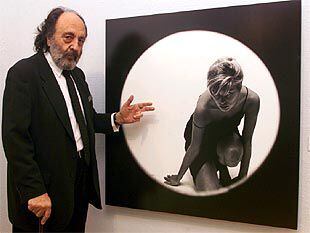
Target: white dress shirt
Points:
(61, 80)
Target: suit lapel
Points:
(54, 94)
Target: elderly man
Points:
(49, 127)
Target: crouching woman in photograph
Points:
(213, 142)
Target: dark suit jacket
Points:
(39, 142)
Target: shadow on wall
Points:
(123, 57)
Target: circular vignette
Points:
(172, 73)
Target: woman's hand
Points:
(172, 180)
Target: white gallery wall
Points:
(18, 22)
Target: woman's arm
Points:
(193, 149)
(190, 155)
(251, 112)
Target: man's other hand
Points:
(41, 206)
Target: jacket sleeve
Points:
(102, 123)
(16, 136)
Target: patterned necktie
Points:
(78, 114)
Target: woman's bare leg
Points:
(225, 178)
(206, 178)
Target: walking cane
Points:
(41, 227)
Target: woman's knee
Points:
(230, 150)
(207, 179)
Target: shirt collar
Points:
(56, 70)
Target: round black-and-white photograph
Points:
(214, 100)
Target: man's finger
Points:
(30, 208)
(33, 209)
(145, 104)
(146, 109)
(129, 101)
(39, 213)
(138, 116)
(46, 216)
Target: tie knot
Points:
(66, 73)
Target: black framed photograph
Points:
(223, 142)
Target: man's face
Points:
(67, 42)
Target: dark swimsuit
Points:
(214, 132)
